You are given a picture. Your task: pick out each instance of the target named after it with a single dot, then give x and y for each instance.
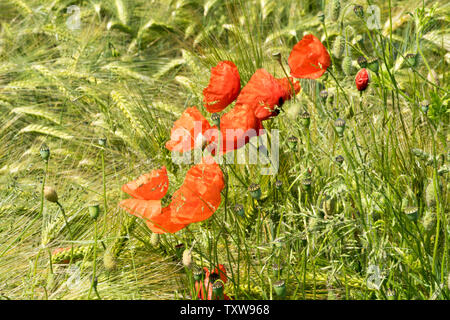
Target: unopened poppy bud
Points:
(217, 290)
(277, 270)
(412, 213)
(154, 239)
(102, 141)
(339, 159)
(94, 211)
(306, 119)
(239, 210)
(433, 77)
(198, 273)
(50, 194)
(179, 248)
(278, 184)
(340, 126)
(362, 79)
(335, 9)
(44, 152)
(424, 105)
(339, 46)
(347, 66)
(321, 16)
(359, 11)
(373, 64)
(292, 141)
(187, 258)
(362, 61)
(255, 191)
(215, 117)
(280, 288)
(323, 94)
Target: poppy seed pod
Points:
(102, 141)
(94, 211)
(359, 11)
(411, 60)
(292, 141)
(390, 294)
(215, 117)
(362, 79)
(154, 239)
(255, 191)
(339, 46)
(277, 270)
(335, 9)
(280, 288)
(347, 66)
(217, 290)
(340, 126)
(412, 213)
(44, 152)
(373, 64)
(278, 184)
(306, 119)
(307, 184)
(339, 159)
(198, 273)
(424, 105)
(50, 194)
(187, 258)
(362, 61)
(239, 210)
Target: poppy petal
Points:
(186, 131)
(200, 194)
(287, 85)
(309, 58)
(223, 87)
(150, 186)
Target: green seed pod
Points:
(347, 66)
(429, 220)
(109, 261)
(278, 184)
(255, 191)
(217, 290)
(412, 213)
(280, 288)
(335, 10)
(187, 258)
(94, 211)
(373, 64)
(307, 184)
(340, 126)
(390, 294)
(339, 46)
(102, 142)
(339, 159)
(277, 270)
(215, 117)
(154, 239)
(306, 119)
(424, 105)
(44, 151)
(292, 142)
(239, 210)
(411, 60)
(198, 273)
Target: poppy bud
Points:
(339, 159)
(340, 126)
(323, 94)
(215, 117)
(335, 9)
(94, 211)
(102, 142)
(433, 77)
(187, 258)
(347, 66)
(217, 290)
(372, 64)
(255, 191)
(198, 273)
(154, 239)
(306, 119)
(277, 270)
(411, 60)
(239, 210)
(412, 213)
(321, 16)
(44, 152)
(339, 46)
(359, 11)
(278, 184)
(362, 61)
(362, 79)
(50, 194)
(280, 288)
(424, 105)
(292, 141)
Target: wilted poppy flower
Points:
(200, 194)
(362, 79)
(223, 87)
(204, 289)
(309, 58)
(262, 92)
(188, 131)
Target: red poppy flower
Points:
(223, 87)
(204, 289)
(309, 58)
(188, 131)
(262, 92)
(200, 194)
(149, 186)
(287, 85)
(362, 79)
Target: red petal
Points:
(309, 58)
(150, 186)
(287, 85)
(223, 87)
